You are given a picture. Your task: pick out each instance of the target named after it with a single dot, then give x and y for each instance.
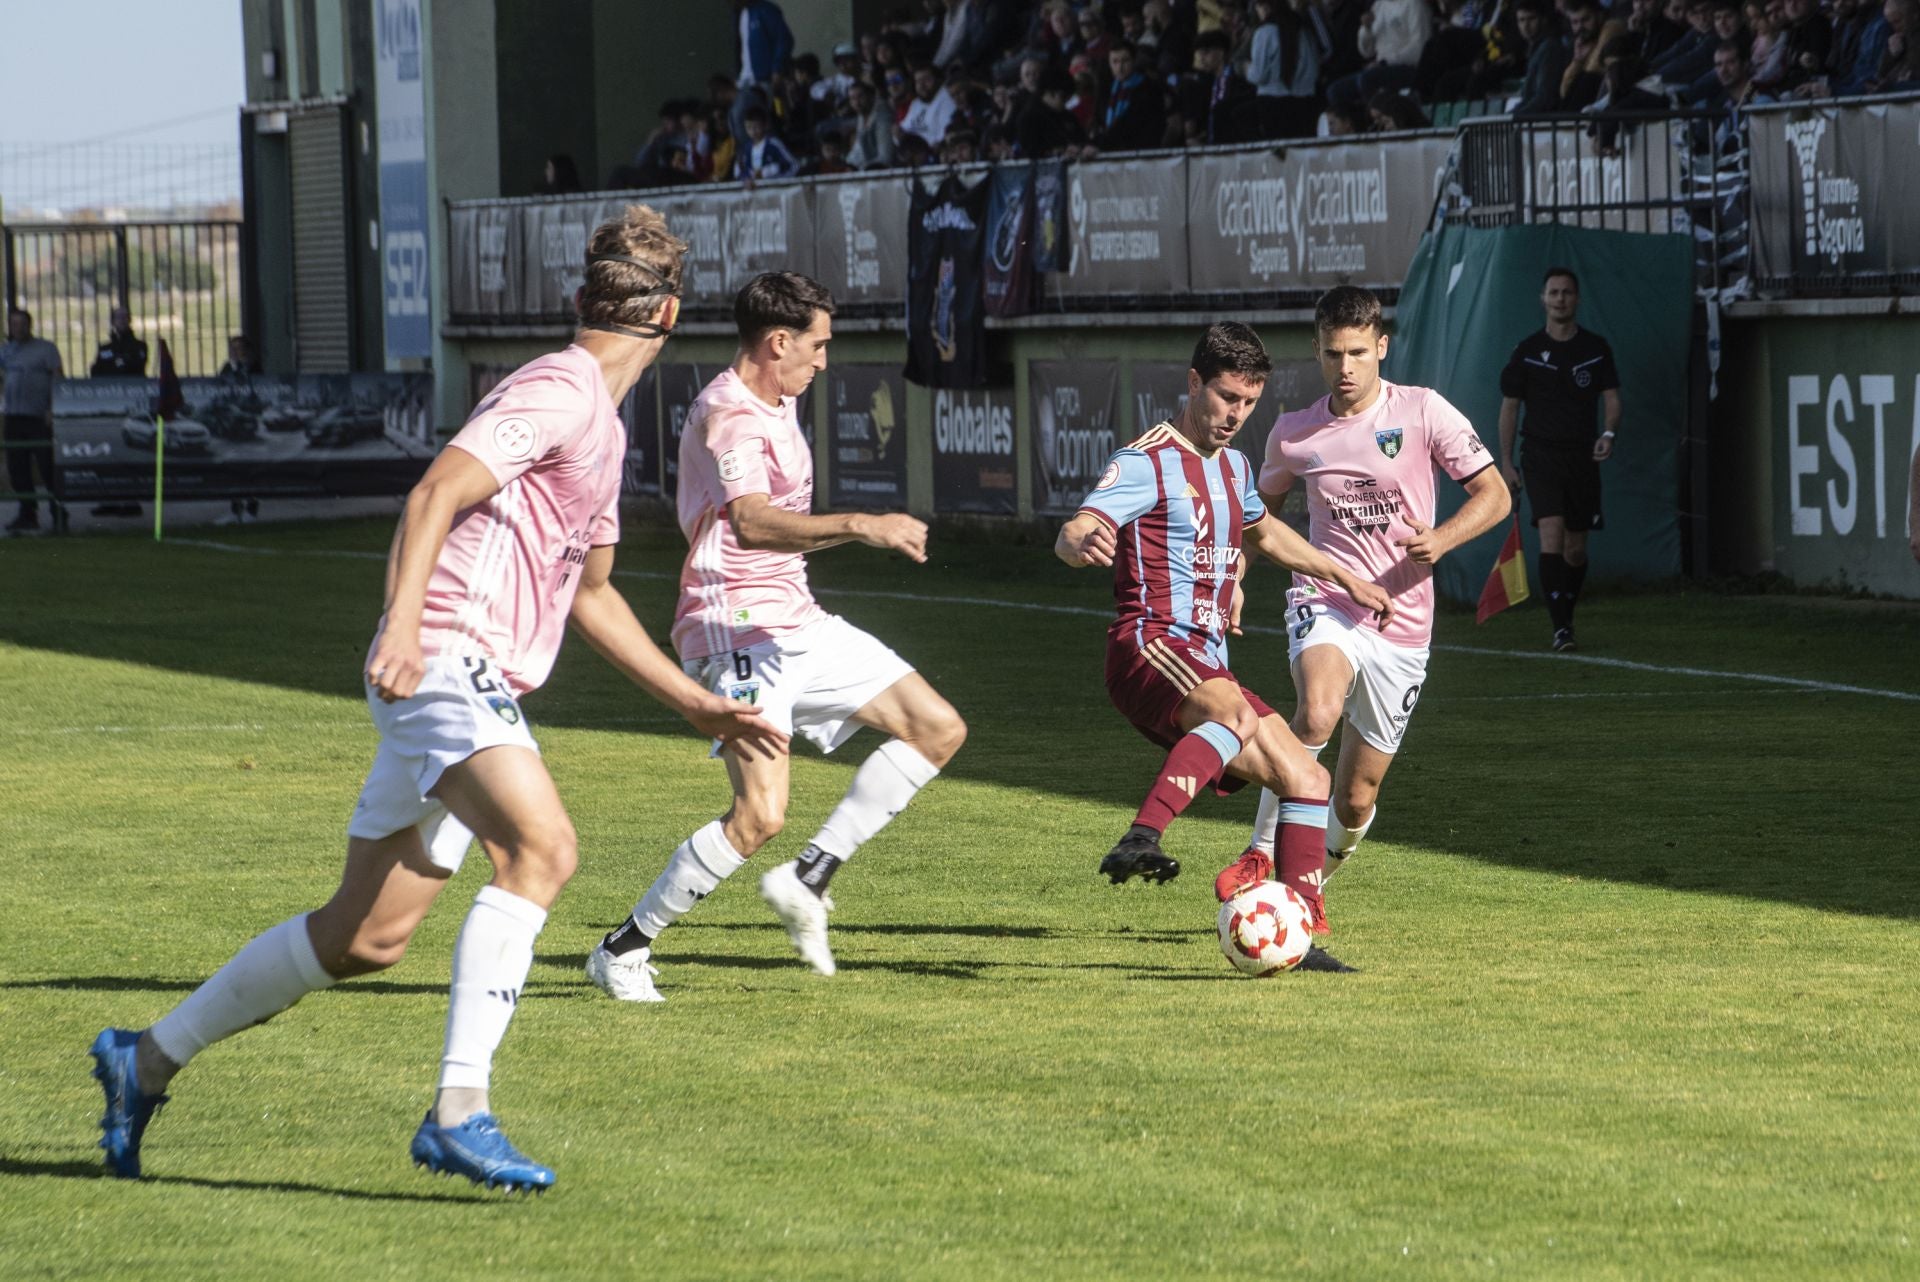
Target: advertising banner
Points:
(641, 413)
(679, 386)
(946, 328)
(867, 437)
(405, 223)
(1076, 414)
(973, 464)
(1126, 232)
(1307, 218)
(1160, 394)
(861, 239)
(1836, 192)
(304, 435)
(1844, 397)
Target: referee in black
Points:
(1558, 373)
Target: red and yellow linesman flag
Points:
(1507, 585)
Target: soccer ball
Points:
(1266, 930)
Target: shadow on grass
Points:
(28, 1169)
(1670, 792)
(137, 984)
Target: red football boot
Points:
(1244, 873)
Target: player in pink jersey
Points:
(508, 536)
(748, 627)
(1367, 453)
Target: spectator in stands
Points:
(1172, 44)
(30, 367)
(834, 92)
(1580, 82)
(1500, 57)
(1389, 112)
(765, 42)
(1621, 92)
(1393, 34)
(931, 109)
(1809, 42)
(1094, 41)
(724, 143)
(999, 144)
(1691, 56)
(900, 98)
(962, 34)
(1546, 58)
(832, 158)
(1062, 36)
(911, 151)
(962, 147)
(1136, 114)
(872, 129)
(1769, 46)
(1853, 20)
(1214, 100)
(1085, 103)
(1046, 128)
(123, 355)
(561, 176)
(761, 155)
(1900, 65)
(1655, 27)
(1347, 122)
(796, 117)
(1733, 72)
(1284, 69)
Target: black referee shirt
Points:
(1558, 384)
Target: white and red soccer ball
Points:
(1266, 929)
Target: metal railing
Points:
(1681, 172)
(180, 280)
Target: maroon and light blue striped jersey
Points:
(1176, 516)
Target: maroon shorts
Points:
(1148, 684)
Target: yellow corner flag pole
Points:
(159, 468)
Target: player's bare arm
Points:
(1610, 408)
(456, 481)
(1279, 543)
(1085, 540)
(762, 527)
(1509, 429)
(603, 617)
(1488, 502)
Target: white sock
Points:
(271, 973)
(1266, 820)
(881, 789)
(1342, 840)
(697, 865)
(490, 965)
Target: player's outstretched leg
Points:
(1215, 713)
(621, 966)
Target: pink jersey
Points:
(1365, 475)
(730, 597)
(505, 580)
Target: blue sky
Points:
(98, 70)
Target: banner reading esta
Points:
(405, 271)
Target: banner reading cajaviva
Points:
(1076, 416)
(973, 460)
(1836, 192)
(1844, 398)
(1309, 217)
(867, 436)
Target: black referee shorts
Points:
(1563, 482)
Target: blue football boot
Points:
(479, 1150)
(128, 1108)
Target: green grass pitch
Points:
(1640, 993)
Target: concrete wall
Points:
(463, 153)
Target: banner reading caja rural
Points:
(1305, 218)
(1836, 191)
(973, 464)
(310, 434)
(1076, 412)
(867, 436)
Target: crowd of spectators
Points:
(953, 81)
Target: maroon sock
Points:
(1195, 763)
(1302, 847)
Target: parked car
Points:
(346, 425)
(184, 436)
(288, 418)
(232, 418)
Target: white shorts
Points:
(1386, 677)
(462, 706)
(807, 682)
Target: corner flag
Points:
(1507, 585)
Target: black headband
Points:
(662, 287)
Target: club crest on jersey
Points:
(731, 468)
(1110, 477)
(509, 710)
(1388, 439)
(745, 692)
(513, 437)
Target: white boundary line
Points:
(1629, 665)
